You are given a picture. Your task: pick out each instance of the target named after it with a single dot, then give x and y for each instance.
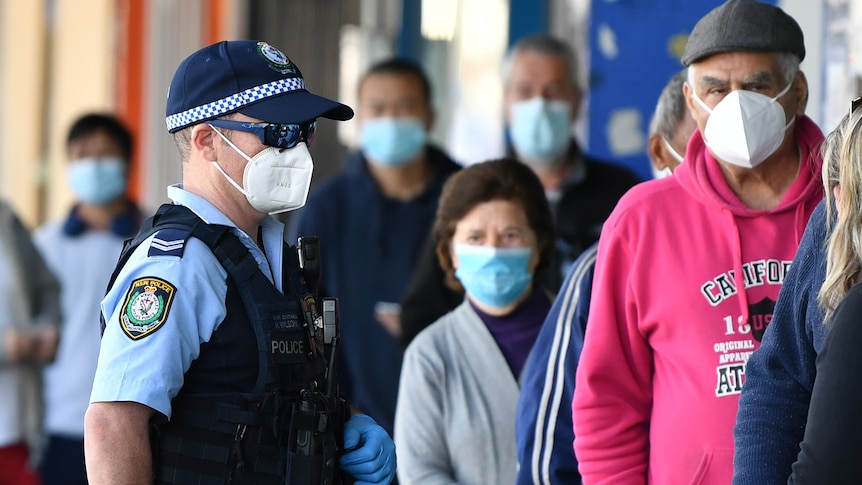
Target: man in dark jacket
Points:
(373, 219)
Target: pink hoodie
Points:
(664, 357)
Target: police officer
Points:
(207, 373)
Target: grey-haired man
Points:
(661, 371)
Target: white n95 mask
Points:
(276, 179)
(745, 127)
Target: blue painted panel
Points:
(635, 47)
(409, 41)
(527, 17)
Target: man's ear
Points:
(202, 141)
(800, 85)
(655, 150)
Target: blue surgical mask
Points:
(494, 276)
(97, 181)
(392, 142)
(541, 129)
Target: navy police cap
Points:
(245, 76)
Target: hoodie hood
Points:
(702, 178)
(701, 175)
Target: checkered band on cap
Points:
(233, 102)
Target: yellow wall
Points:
(22, 63)
(49, 76)
(81, 80)
(58, 65)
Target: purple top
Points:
(516, 332)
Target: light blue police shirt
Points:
(162, 308)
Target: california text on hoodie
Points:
(669, 331)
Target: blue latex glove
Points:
(371, 452)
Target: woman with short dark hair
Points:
(456, 405)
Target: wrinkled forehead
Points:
(736, 67)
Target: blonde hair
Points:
(842, 167)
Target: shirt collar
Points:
(272, 229)
(197, 204)
(209, 213)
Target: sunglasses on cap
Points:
(279, 135)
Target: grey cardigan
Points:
(41, 292)
(455, 419)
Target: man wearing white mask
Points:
(689, 267)
(374, 217)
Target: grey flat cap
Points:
(744, 25)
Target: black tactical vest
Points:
(251, 409)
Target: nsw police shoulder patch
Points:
(146, 306)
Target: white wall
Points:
(809, 14)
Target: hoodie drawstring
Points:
(738, 276)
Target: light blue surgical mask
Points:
(97, 180)
(541, 129)
(496, 277)
(393, 142)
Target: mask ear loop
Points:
(783, 91)
(675, 154)
(218, 167)
(703, 105)
(699, 101)
(779, 95)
